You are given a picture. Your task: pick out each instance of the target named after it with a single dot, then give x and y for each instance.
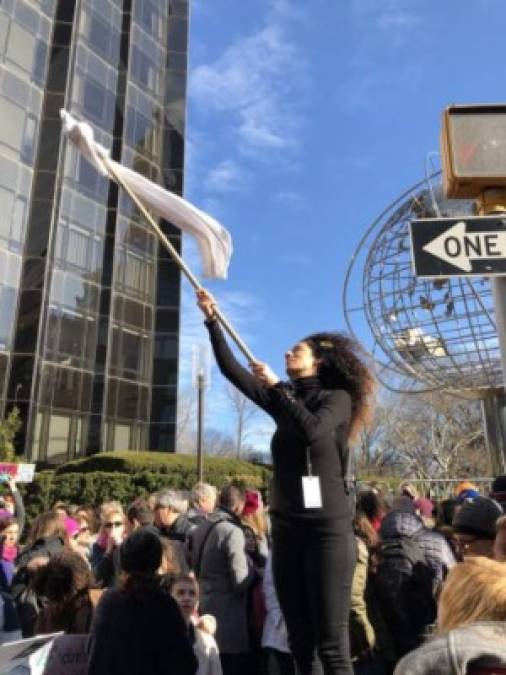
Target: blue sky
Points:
(305, 120)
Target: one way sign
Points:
(446, 247)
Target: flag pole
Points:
(177, 259)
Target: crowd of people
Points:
(182, 583)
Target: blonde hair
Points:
(500, 545)
(109, 509)
(475, 590)
(257, 522)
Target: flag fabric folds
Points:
(213, 240)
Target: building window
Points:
(144, 70)
(13, 124)
(78, 248)
(59, 434)
(20, 47)
(147, 13)
(29, 139)
(39, 62)
(94, 99)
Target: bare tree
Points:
(430, 436)
(245, 412)
(374, 455)
(186, 416)
(218, 444)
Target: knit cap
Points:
(477, 518)
(252, 503)
(467, 496)
(424, 507)
(71, 526)
(464, 485)
(141, 551)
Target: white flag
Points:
(214, 241)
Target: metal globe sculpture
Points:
(428, 335)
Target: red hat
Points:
(252, 502)
(424, 507)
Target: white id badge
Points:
(311, 492)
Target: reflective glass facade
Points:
(89, 302)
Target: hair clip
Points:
(326, 344)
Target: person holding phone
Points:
(324, 404)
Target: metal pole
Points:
(178, 260)
(201, 383)
(493, 201)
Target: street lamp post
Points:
(201, 383)
(200, 379)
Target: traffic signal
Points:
(473, 149)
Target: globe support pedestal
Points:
(494, 418)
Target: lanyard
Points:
(308, 461)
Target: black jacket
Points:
(28, 601)
(308, 419)
(139, 634)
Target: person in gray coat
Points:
(470, 635)
(225, 574)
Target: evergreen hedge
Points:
(123, 476)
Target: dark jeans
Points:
(236, 664)
(313, 564)
(275, 662)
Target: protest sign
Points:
(28, 656)
(22, 473)
(68, 656)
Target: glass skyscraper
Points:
(89, 301)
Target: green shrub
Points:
(161, 462)
(123, 476)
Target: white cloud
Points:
(227, 176)
(252, 83)
(289, 198)
(403, 21)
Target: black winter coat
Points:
(137, 634)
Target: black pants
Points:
(275, 662)
(313, 564)
(236, 664)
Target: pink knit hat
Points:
(71, 526)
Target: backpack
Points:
(403, 585)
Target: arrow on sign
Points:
(458, 247)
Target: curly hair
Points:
(342, 366)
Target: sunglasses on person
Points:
(115, 523)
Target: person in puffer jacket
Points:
(405, 522)
(412, 562)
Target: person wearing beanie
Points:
(498, 491)
(425, 509)
(467, 495)
(138, 628)
(474, 527)
(463, 485)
